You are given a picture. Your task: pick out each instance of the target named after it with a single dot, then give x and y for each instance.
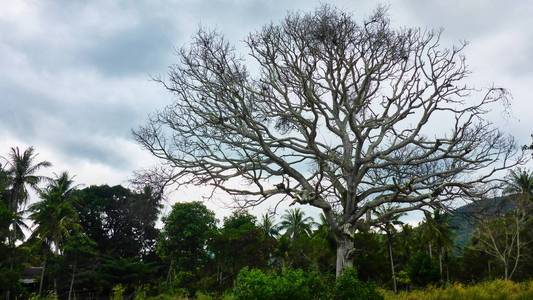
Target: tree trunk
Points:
(389, 243)
(72, 281)
(42, 278)
(345, 248)
(430, 251)
(169, 274)
(440, 266)
(447, 265)
(55, 288)
(506, 270)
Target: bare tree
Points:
(501, 238)
(335, 114)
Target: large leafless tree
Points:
(326, 111)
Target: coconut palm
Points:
(520, 182)
(54, 217)
(296, 224)
(389, 221)
(22, 170)
(437, 231)
(268, 227)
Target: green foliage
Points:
(112, 252)
(119, 220)
(290, 284)
(49, 296)
(491, 290)
(22, 175)
(118, 292)
(185, 235)
(128, 272)
(240, 243)
(421, 269)
(371, 261)
(54, 216)
(296, 224)
(348, 286)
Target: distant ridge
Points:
(463, 219)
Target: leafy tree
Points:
(185, 236)
(240, 243)
(315, 124)
(120, 221)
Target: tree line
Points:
(89, 241)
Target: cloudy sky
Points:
(75, 75)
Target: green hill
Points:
(463, 220)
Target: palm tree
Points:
(21, 170)
(389, 220)
(296, 224)
(54, 217)
(21, 173)
(267, 226)
(520, 182)
(438, 231)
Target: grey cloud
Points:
(467, 19)
(145, 50)
(119, 44)
(79, 131)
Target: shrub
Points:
(348, 286)
(290, 284)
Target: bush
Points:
(348, 286)
(290, 284)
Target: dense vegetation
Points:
(102, 241)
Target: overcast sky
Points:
(75, 75)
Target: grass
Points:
(491, 290)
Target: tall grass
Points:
(491, 290)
